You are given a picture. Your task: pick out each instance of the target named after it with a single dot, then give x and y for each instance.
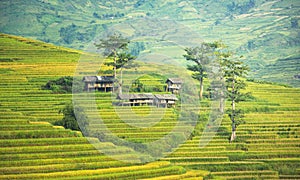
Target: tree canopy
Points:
(69, 117)
(115, 47)
(200, 56)
(234, 72)
(113, 44)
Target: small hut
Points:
(174, 85)
(165, 100)
(100, 83)
(136, 99)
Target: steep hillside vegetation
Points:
(32, 148)
(267, 146)
(284, 71)
(264, 31)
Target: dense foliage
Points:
(114, 47)
(234, 71)
(251, 27)
(200, 57)
(268, 146)
(71, 114)
(63, 85)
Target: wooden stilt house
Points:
(174, 85)
(165, 100)
(159, 100)
(100, 83)
(136, 99)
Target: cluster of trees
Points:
(108, 16)
(72, 33)
(201, 57)
(70, 112)
(69, 33)
(63, 85)
(232, 72)
(139, 3)
(241, 8)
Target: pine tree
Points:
(115, 47)
(112, 46)
(234, 72)
(200, 56)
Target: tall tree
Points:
(234, 72)
(200, 56)
(217, 86)
(113, 45)
(124, 60)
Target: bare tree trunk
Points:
(115, 65)
(221, 107)
(233, 125)
(233, 134)
(201, 88)
(115, 69)
(121, 82)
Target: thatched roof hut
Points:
(136, 99)
(135, 96)
(100, 83)
(160, 100)
(174, 85)
(96, 79)
(174, 80)
(166, 97)
(165, 100)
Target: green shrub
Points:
(69, 120)
(63, 85)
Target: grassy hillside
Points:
(264, 31)
(267, 146)
(287, 68)
(33, 148)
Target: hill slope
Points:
(268, 145)
(263, 31)
(32, 148)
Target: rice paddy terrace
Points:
(31, 147)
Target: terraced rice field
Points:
(267, 145)
(31, 148)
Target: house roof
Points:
(175, 80)
(147, 96)
(166, 96)
(98, 79)
(135, 96)
(89, 78)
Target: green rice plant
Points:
(37, 134)
(49, 155)
(54, 148)
(27, 127)
(26, 170)
(268, 141)
(249, 173)
(197, 159)
(42, 141)
(91, 169)
(71, 160)
(143, 174)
